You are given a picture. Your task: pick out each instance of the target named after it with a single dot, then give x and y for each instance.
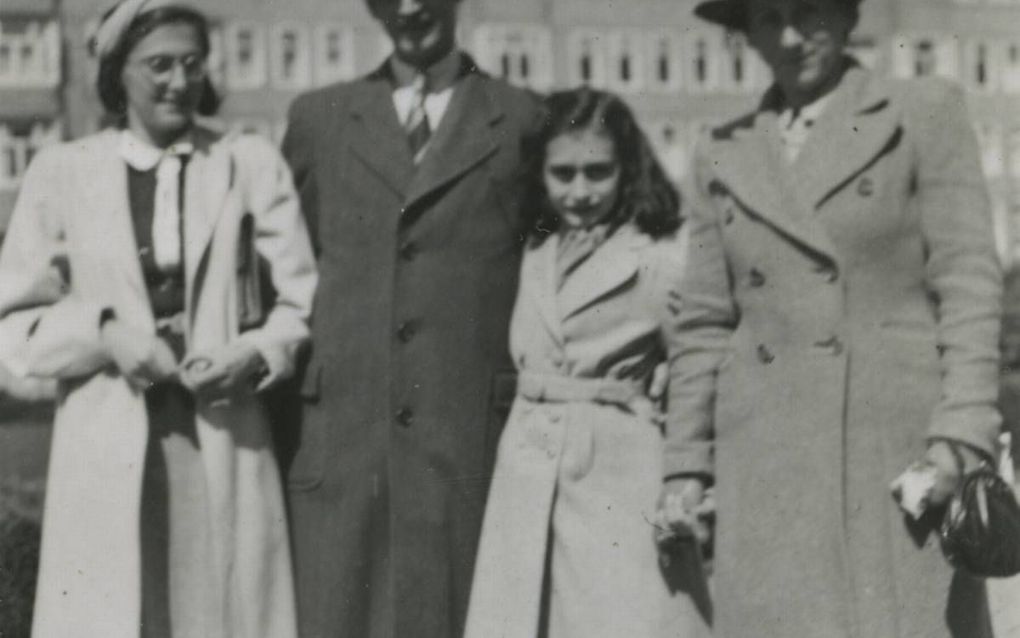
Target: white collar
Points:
(143, 156)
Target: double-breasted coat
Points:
(73, 210)
(580, 464)
(409, 380)
(837, 313)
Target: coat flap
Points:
(608, 269)
(538, 282)
(377, 138)
(858, 126)
(463, 140)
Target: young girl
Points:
(568, 545)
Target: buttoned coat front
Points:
(73, 210)
(578, 478)
(837, 313)
(409, 380)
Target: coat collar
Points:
(610, 267)
(856, 128)
(462, 141)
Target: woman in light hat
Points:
(162, 274)
(841, 321)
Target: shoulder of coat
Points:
(728, 130)
(88, 149)
(926, 92)
(327, 99)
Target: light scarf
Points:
(166, 216)
(112, 29)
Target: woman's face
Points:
(582, 176)
(164, 77)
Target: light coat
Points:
(409, 381)
(837, 314)
(73, 208)
(580, 464)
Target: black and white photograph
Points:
(509, 318)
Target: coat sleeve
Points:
(46, 328)
(962, 268)
(701, 316)
(281, 239)
(299, 150)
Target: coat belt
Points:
(554, 388)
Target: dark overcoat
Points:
(837, 313)
(409, 379)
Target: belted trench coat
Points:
(838, 313)
(580, 465)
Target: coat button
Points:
(404, 416)
(828, 273)
(833, 345)
(755, 278)
(408, 251)
(406, 331)
(865, 187)
(765, 355)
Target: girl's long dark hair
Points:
(646, 195)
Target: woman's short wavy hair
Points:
(109, 82)
(646, 195)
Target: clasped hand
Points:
(685, 513)
(144, 360)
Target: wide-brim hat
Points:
(732, 14)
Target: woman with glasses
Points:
(162, 274)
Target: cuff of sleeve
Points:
(977, 430)
(278, 364)
(690, 460)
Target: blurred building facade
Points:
(679, 74)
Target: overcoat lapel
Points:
(753, 170)
(611, 266)
(538, 279)
(211, 174)
(376, 136)
(463, 140)
(857, 127)
(110, 212)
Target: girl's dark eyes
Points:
(594, 172)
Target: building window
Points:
(334, 53)
(626, 55)
(587, 56)
(29, 54)
(290, 56)
(519, 53)
(737, 64)
(18, 144)
(246, 56)
(664, 56)
(925, 55)
(1011, 67)
(981, 71)
(703, 57)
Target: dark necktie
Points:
(417, 125)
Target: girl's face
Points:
(582, 176)
(163, 78)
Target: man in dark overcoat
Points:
(410, 180)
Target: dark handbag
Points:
(980, 532)
(255, 291)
